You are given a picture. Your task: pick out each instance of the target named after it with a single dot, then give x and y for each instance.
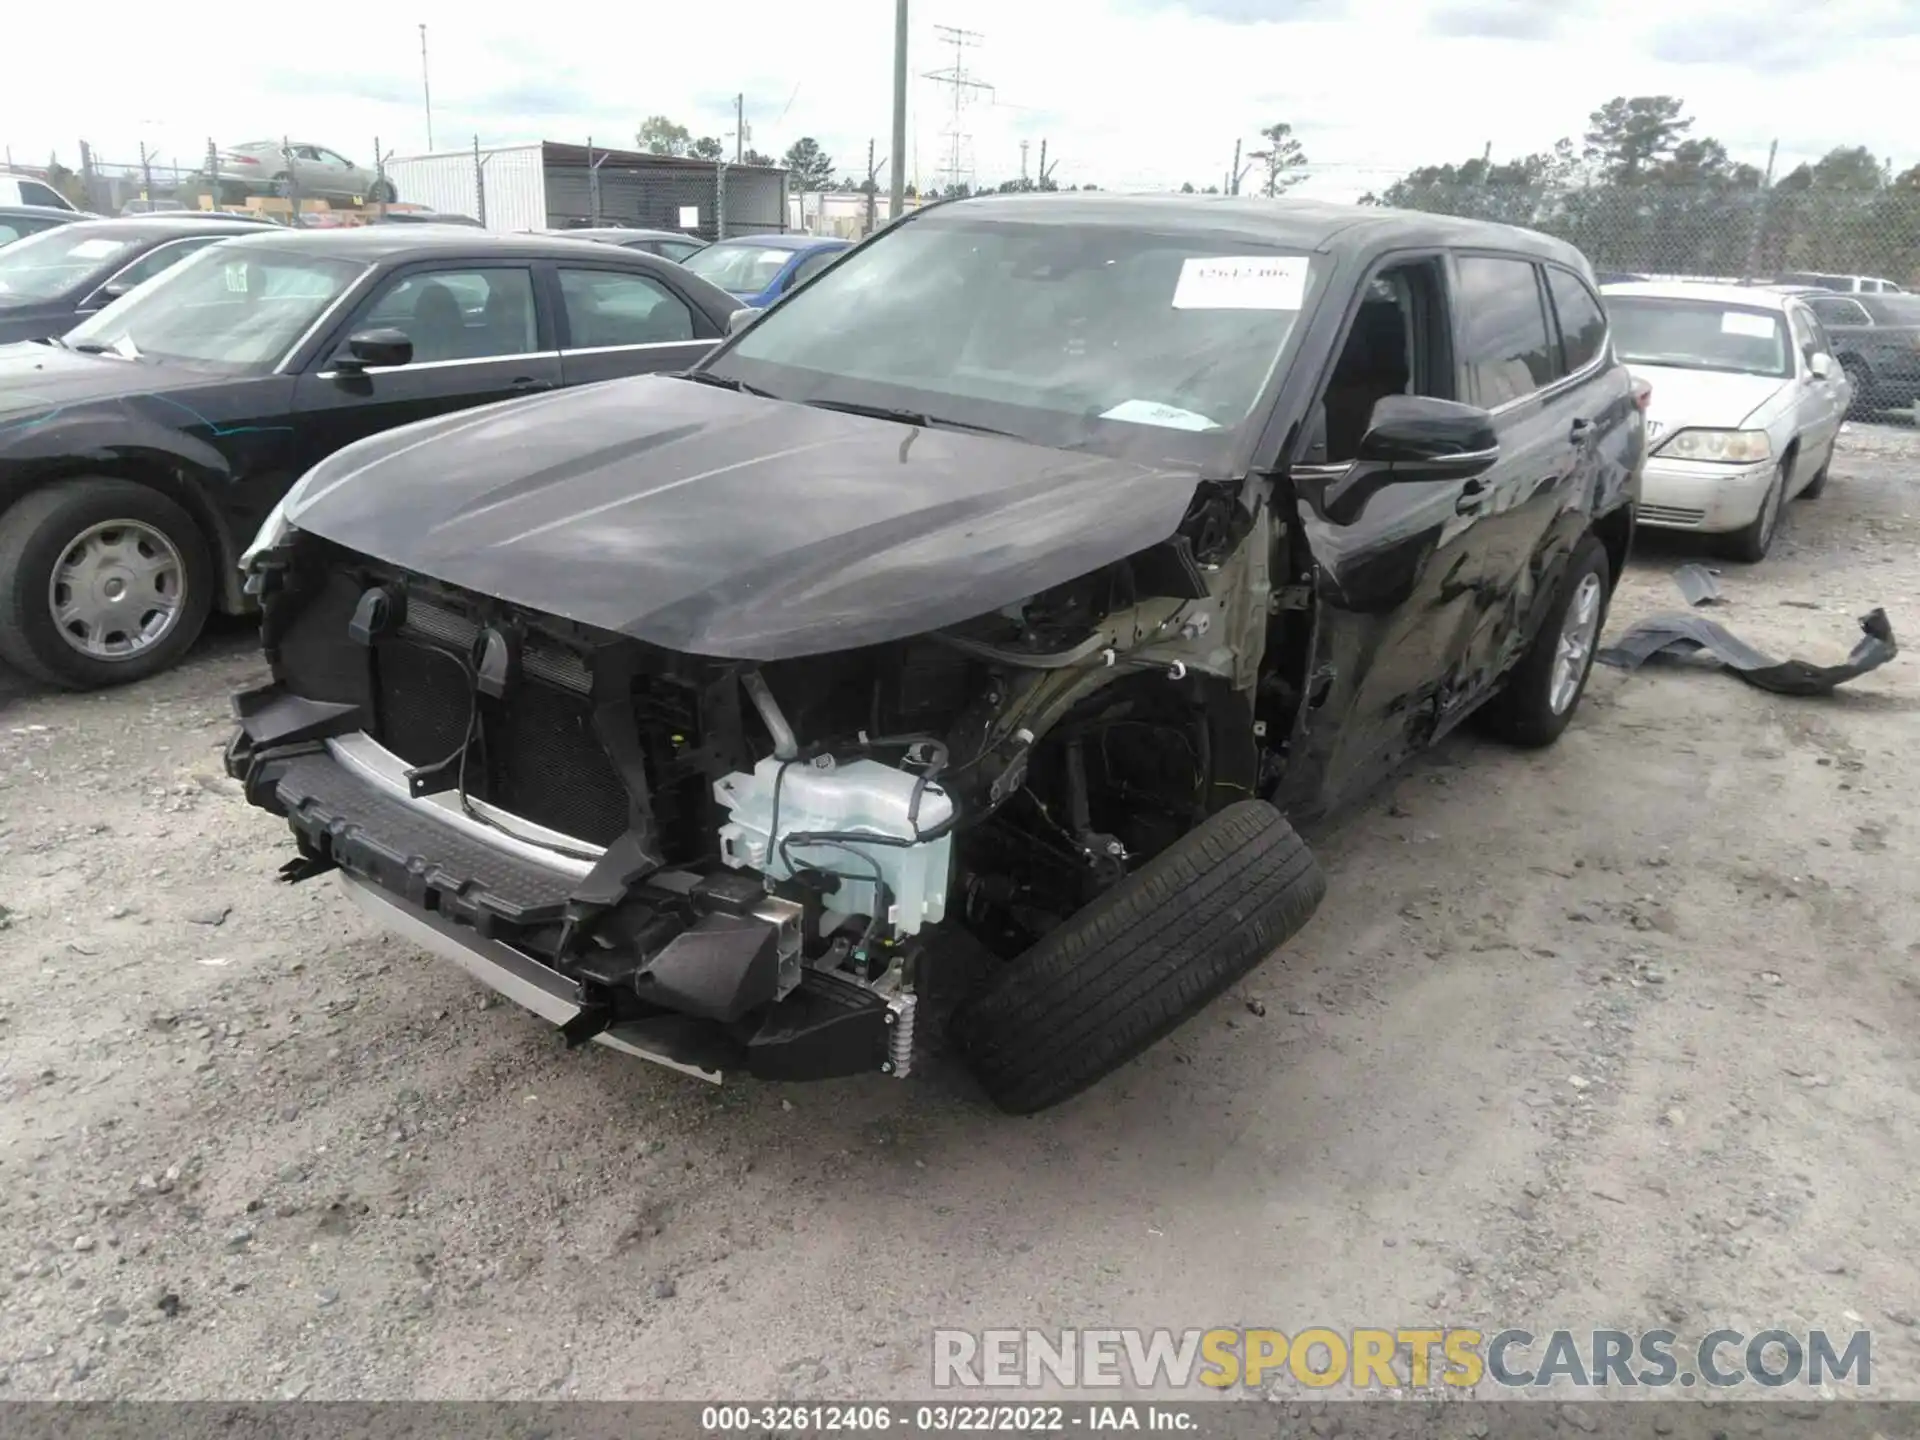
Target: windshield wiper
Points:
(906, 417)
(85, 347)
(727, 382)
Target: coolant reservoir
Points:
(862, 795)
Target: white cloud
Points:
(1126, 93)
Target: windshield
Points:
(1700, 335)
(742, 269)
(47, 265)
(228, 308)
(1893, 309)
(1064, 334)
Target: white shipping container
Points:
(516, 184)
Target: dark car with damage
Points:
(141, 450)
(959, 635)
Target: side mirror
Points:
(1821, 366)
(740, 319)
(1416, 437)
(368, 349)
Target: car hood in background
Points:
(36, 320)
(727, 525)
(1707, 399)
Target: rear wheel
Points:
(381, 192)
(1538, 700)
(1146, 956)
(101, 582)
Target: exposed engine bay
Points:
(737, 865)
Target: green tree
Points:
(660, 136)
(1186, 187)
(707, 148)
(1284, 158)
(810, 166)
(1629, 135)
(754, 157)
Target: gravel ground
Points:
(1618, 1034)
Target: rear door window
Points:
(1583, 325)
(1504, 341)
(608, 308)
(1837, 311)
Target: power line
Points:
(964, 87)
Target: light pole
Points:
(897, 176)
(426, 89)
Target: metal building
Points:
(542, 184)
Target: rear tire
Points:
(1536, 704)
(48, 529)
(1142, 959)
(381, 192)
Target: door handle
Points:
(1472, 493)
(527, 385)
(1581, 431)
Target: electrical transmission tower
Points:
(959, 144)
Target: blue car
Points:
(759, 269)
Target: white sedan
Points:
(1747, 401)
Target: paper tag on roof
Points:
(1241, 282)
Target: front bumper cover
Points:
(692, 971)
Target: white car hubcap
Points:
(117, 590)
(1578, 631)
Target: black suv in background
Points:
(962, 628)
(1877, 339)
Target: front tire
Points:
(1143, 958)
(1860, 404)
(1544, 689)
(1750, 544)
(1819, 481)
(102, 582)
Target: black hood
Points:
(722, 524)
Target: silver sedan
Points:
(274, 167)
(1746, 402)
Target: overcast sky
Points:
(1130, 94)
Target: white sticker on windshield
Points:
(1152, 412)
(1746, 322)
(1241, 282)
(97, 249)
(236, 277)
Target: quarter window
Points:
(1503, 329)
(1583, 326)
(606, 308)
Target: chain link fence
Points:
(1707, 232)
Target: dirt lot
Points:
(1619, 1034)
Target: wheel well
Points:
(1615, 532)
(177, 488)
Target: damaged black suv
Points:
(960, 632)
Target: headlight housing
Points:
(275, 530)
(1728, 447)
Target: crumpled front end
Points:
(545, 804)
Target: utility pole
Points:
(1043, 165)
(1233, 184)
(1023, 164)
(873, 187)
(739, 127)
(896, 185)
(1760, 213)
(964, 87)
(426, 87)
